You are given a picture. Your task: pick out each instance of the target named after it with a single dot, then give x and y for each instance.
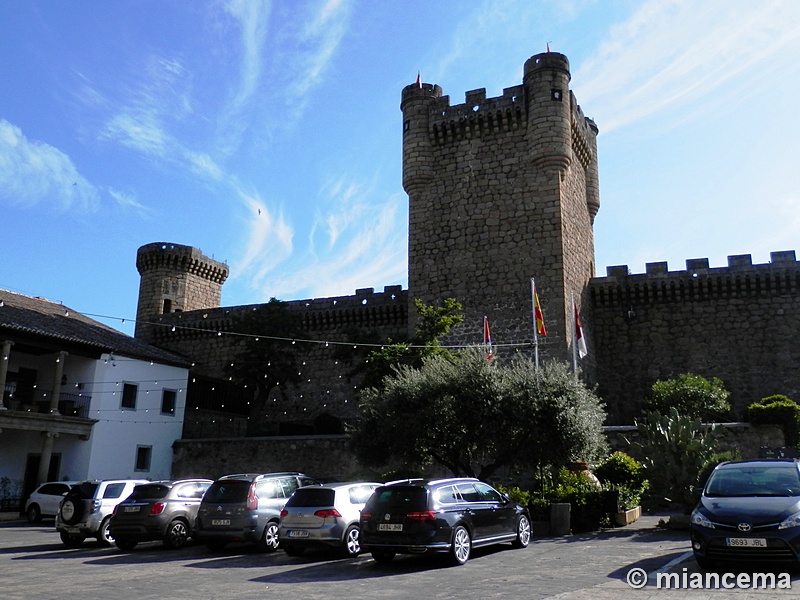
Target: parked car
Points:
(748, 511)
(246, 508)
(86, 510)
(161, 510)
(419, 516)
(44, 500)
(327, 515)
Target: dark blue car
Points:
(748, 511)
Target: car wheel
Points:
(71, 541)
(351, 546)
(382, 556)
(34, 514)
(293, 550)
(269, 541)
(523, 532)
(104, 537)
(216, 546)
(177, 535)
(461, 546)
(125, 544)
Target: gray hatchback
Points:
(325, 516)
(246, 508)
(161, 510)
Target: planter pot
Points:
(626, 517)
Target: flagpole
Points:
(574, 336)
(535, 327)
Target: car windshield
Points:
(151, 491)
(230, 490)
(754, 480)
(312, 496)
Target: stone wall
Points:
(740, 323)
(330, 457)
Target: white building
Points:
(82, 400)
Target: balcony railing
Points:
(38, 401)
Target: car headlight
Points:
(701, 520)
(792, 521)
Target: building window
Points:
(143, 454)
(129, 396)
(167, 306)
(168, 402)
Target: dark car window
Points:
(54, 489)
(782, 480)
(400, 497)
(304, 481)
(361, 493)
(488, 493)
(289, 484)
(149, 491)
(312, 496)
(448, 495)
(85, 489)
(114, 490)
(227, 491)
(468, 492)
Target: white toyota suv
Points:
(86, 510)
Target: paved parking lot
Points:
(34, 564)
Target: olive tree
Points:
(474, 417)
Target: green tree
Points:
(692, 395)
(473, 416)
(433, 323)
(266, 359)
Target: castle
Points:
(501, 190)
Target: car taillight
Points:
(365, 515)
(423, 515)
(327, 512)
(284, 512)
(252, 499)
(114, 512)
(157, 508)
(96, 504)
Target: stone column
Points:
(47, 453)
(57, 383)
(4, 370)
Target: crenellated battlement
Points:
(698, 281)
(478, 116)
(186, 259)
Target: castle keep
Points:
(501, 190)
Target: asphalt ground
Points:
(590, 566)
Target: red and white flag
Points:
(580, 341)
(419, 81)
(487, 338)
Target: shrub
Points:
(515, 494)
(539, 509)
(777, 410)
(625, 475)
(691, 395)
(587, 503)
(674, 448)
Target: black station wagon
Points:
(453, 516)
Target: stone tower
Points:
(174, 278)
(502, 190)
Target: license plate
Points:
(298, 534)
(747, 542)
(220, 522)
(390, 527)
(131, 509)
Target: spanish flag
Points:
(538, 316)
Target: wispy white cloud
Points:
(128, 201)
(670, 52)
(33, 172)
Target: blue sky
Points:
(268, 134)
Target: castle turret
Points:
(175, 278)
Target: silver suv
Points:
(86, 510)
(246, 508)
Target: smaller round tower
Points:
(175, 278)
